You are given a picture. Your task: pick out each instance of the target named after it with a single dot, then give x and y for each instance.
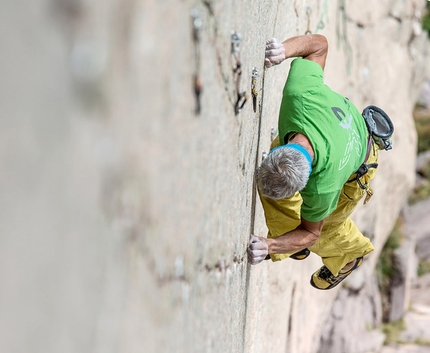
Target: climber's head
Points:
(284, 171)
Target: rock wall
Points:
(128, 199)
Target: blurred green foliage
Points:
(422, 342)
(422, 124)
(419, 193)
(385, 265)
(423, 267)
(426, 18)
(392, 331)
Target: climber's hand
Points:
(275, 52)
(257, 250)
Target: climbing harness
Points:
(197, 24)
(236, 39)
(380, 129)
(362, 171)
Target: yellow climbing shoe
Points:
(323, 279)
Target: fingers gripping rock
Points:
(257, 250)
(275, 52)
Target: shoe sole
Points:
(301, 255)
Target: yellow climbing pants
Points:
(340, 241)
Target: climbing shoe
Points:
(324, 279)
(300, 255)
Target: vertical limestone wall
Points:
(125, 212)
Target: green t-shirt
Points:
(335, 128)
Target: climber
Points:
(318, 168)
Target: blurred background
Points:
(130, 133)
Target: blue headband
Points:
(299, 148)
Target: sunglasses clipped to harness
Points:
(380, 126)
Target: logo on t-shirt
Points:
(353, 142)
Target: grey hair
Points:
(282, 173)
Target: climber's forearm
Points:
(304, 236)
(306, 45)
(312, 47)
(292, 242)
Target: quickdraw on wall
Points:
(254, 91)
(197, 84)
(321, 22)
(342, 34)
(308, 14)
(242, 97)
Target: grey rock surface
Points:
(406, 264)
(420, 290)
(125, 215)
(418, 223)
(417, 322)
(416, 316)
(423, 160)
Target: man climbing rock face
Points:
(318, 169)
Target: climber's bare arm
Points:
(305, 235)
(312, 47)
